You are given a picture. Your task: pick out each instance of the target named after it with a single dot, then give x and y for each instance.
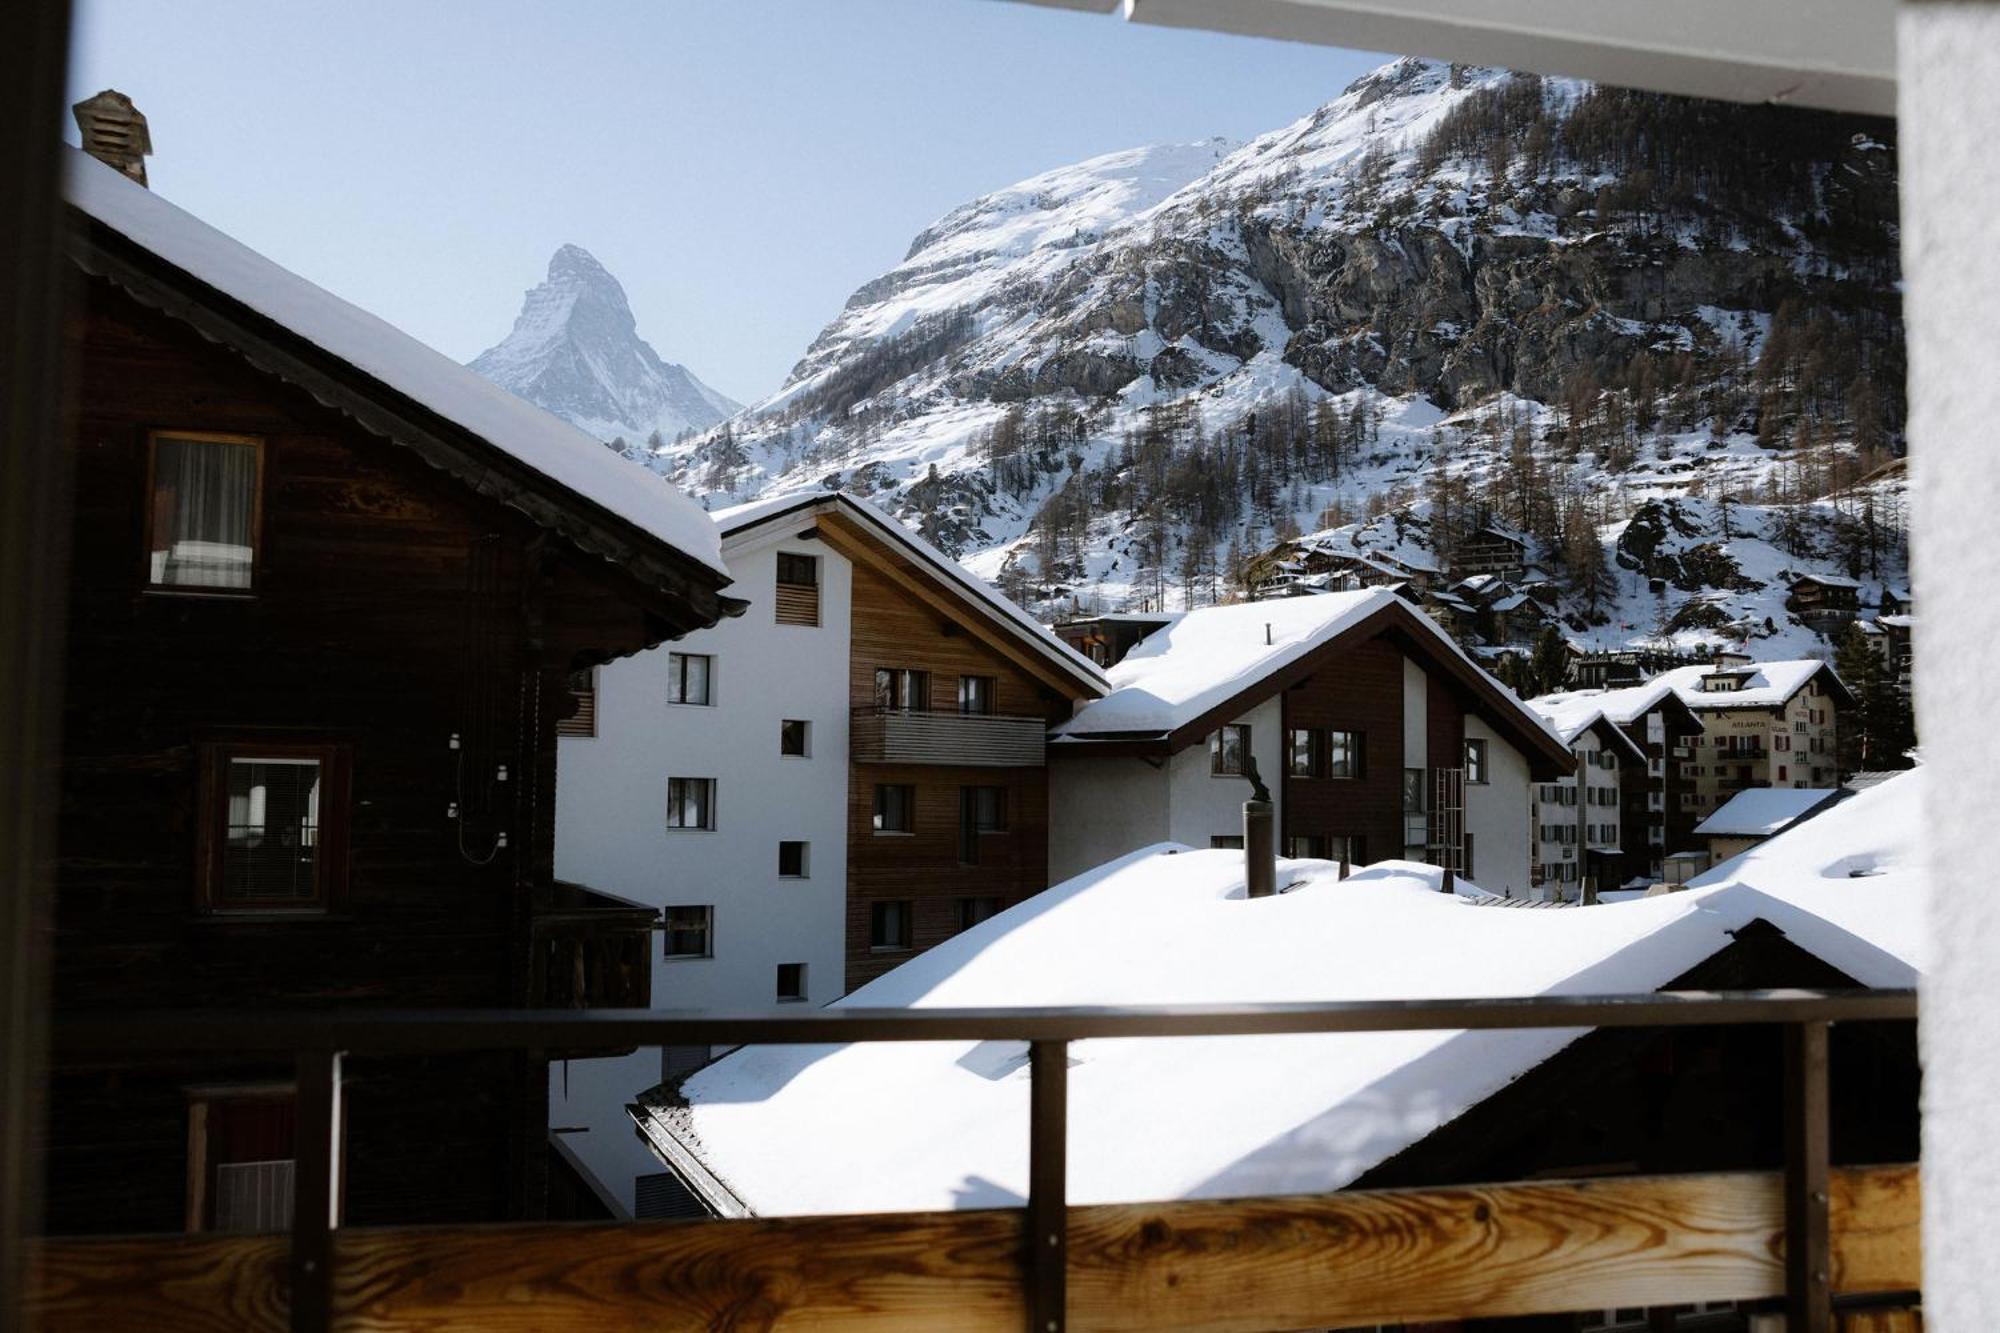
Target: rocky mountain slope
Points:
(575, 350)
(1452, 294)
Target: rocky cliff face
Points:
(1498, 293)
(575, 350)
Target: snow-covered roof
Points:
(1209, 656)
(1896, 622)
(1571, 715)
(552, 447)
(1765, 684)
(1758, 812)
(1828, 580)
(944, 1124)
(739, 522)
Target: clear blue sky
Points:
(740, 165)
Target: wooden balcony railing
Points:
(919, 736)
(1342, 1259)
(592, 951)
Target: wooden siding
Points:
(891, 628)
(942, 737)
(1220, 1266)
(796, 604)
(1360, 690)
(394, 609)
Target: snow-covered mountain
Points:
(576, 351)
(1451, 293)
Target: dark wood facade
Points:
(1360, 691)
(417, 628)
(928, 868)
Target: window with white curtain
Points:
(202, 519)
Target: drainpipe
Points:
(1260, 849)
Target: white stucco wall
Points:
(1203, 805)
(611, 831)
(1100, 809)
(1496, 814)
(1949, 90)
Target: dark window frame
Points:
(798, 993)
(1218, 748)
(979, 691)
(805, 738)
(1357, 764)
(677, 680)
(794, 561)
(969, 909)
(146, 584)
(331, 834)
(904, 916)
(804, 870)
(668, 931)
(909, 810)
(675, 806)
(203, 1155)
(902, 689)
(1478, 762)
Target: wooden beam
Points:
(1342, 1259)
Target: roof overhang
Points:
(865, 535)
(1839, 55)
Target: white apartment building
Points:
(1578, 820)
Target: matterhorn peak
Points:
(575, 350)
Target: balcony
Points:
(592, 951)
(919, 736)
(1810, 1235)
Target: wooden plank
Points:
(1352, 1258)
(186, 1284)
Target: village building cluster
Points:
(579, 743)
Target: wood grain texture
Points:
(1339, 1259)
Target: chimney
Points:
(114, 132)
(1260, 849)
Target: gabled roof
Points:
(1827, 580)
(1571, 716)
(1760, 812)
(898, 1125)
(393, 385)
(1623, 706)
(1765, 684)
(1216, 663)
(840, 516)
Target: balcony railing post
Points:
(1048, 1176)
(1808, 1247)
(316, 1190)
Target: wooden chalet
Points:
(326, 592)
(1490, 550)
(1824, 601)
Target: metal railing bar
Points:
(1048, 1186)
(316, 1196)
(1808, 1143)
(403, 1031)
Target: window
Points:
(273, 835)
(690, 932)
(202, 512)
(795, 738)
(1343, 754)
(582, 719)
(1308, 846)
(1466, 868)
(691, 803)
(791, 982)
(972, 911)
(1226, 842)
(1228, 750)
(975, 695)
(662, 1195)
(688, 677)
(895, 808)
(1302, 753)
(900, 689)
(1413, 792)
(1475, 762)
(797, 600)
(241, 1159)
(792, 860)
(980, 810)
(889, 925)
